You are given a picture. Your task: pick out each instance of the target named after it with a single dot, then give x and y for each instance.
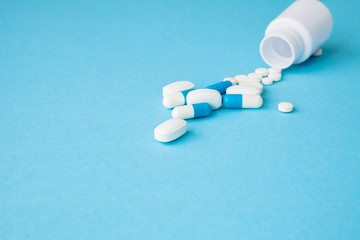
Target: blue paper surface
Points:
(81, 92)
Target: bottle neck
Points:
(282, 47)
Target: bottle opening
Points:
(277, 52)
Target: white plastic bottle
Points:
(296, 33)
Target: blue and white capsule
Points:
(242, 101)
(176, 99)
(223, 85)
(197, 110)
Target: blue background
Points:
(80, 94)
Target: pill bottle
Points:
(296, 33)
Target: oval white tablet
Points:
(243, 89)
(209, 96)
(252, 83)
(170, 130)
(285, 107)
(177, 87)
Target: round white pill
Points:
(275, 76)
(170, 130)
(232, 80)
(318, 52)
(262, 71)
(255, 76)
(177, 87)
(267, 81)
(240, 78)
(285, 107)
(274, 70)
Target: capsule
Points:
(176, 99)
(209, 96)
(221, 86)
(242, 101)
(197, 110)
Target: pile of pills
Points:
(186, 102)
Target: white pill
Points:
(253, 83)
(262, 71)
(175, 99)
(318, 52)
(177, 87)
(275, 76)
(232, 80)
(267, 81)
(285, 107)
(274, 70)
(240, 78)
(170, 130)
(255, 76)
(243, 89)
(209, 96)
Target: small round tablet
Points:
(318, 52)
(274, 70)
(267, 81)
(232, 80)
(240, 78)
(255, 76)
(275, 76)
(262, 71)
(285, 107)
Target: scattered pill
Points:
(209, 96)
(240, 78)
(242, 101)
(285, 107)
(255, 76)
(262, 71)
(275, 76)
(170, 130)
(220, 86)
(267, 81)
(243, 89)
(232, 80)
(176, 99)
(253, 83)
(177, 87)
(318, 52)
(197, 110)
(274, 70)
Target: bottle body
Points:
(296, 33)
